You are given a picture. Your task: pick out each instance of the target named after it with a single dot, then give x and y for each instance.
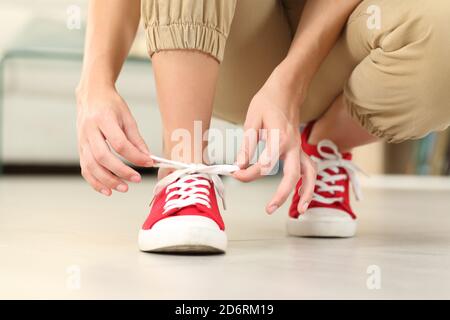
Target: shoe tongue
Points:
(189, 179)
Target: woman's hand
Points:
(276, 105)
(105, 122)
(276, 108)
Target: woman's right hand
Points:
(104, 124)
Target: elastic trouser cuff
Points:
(365, 121)
(188, 37)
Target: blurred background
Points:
(41, 48)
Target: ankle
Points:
(186, 155)
(318, 134)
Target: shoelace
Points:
(190, 182)
(333, 161)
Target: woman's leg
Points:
(186, 40)
(185, 82)
(338, 125)
(388, 72)
(387, 78)
(184, 216)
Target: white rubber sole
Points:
(323, 223)
(183, 234)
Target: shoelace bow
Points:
(190, 182)
(333, 161)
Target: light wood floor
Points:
(55, 233)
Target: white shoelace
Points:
(193, 183)
(333, 161)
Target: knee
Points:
(400, 91)
(424, 103)
(417, 24)
(430, 19)
(435, 13)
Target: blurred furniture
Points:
(39, 39)
(38, 75)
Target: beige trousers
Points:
(392, 61)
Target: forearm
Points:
(318, 30)
(109, 37)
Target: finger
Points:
(120, 143)
(103, 175)
(133, 134)
(103, 155)
(250, 174)
(291, 174)
(306, 191)
(95, 184)
(249, 145)
(271, 153)
(266, 162)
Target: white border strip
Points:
(406, 182)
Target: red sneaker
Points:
(329, 214)
(184, 215)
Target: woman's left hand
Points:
(275, 109)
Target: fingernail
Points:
(122, 188)
(149, 164)
(273, 208)
(305, 206)
(105, 192)
(135, 178)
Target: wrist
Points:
(294, 84)
(296, 72)
(87, 86)
(88, 94)
(96, 75)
